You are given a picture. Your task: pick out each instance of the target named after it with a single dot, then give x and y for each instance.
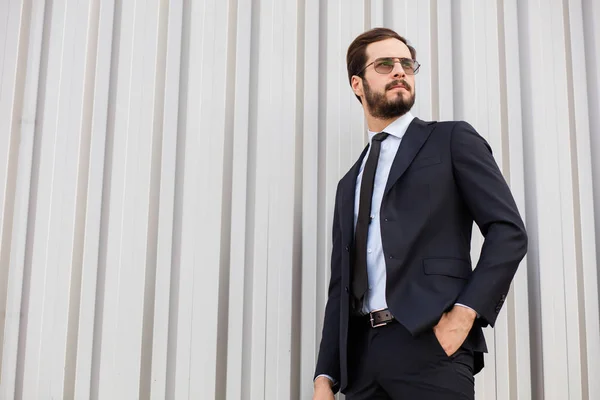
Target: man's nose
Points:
(398, 71)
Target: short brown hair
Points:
(356, 57)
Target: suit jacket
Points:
(442, 179)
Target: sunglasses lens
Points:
(408, 66)
(384, 66)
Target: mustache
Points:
(398, 82)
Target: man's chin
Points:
(399, 102)
(398, 97)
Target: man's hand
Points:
(323, 389)
(453, 328)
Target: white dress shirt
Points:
(376, 272)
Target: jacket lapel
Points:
(348, 195)
(416, 135)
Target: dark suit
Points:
(443, 178)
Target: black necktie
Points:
(360, 280)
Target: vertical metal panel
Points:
(311, 307)
(237, 338)
(591, 52)
(168, 171)
(518, 330)
(166, 220)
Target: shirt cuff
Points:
(328, 377)
(462, 305)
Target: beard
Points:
(382, 108)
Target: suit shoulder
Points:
(443, 125)
(440, 128)
(449, 127)
(446, 125)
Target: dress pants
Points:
(389, 363)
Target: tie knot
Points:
(380, 137)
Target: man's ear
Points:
(357, 85)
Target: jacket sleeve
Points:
(493, 209)
(328, 362)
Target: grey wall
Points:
(167, 173)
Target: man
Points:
(405, 309)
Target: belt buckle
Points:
(373, 325)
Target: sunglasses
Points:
(385, 65)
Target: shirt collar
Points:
(397, 128)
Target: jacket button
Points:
(346, 289)
(347, 248)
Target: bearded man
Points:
(405, 307)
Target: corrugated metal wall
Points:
(167, 173)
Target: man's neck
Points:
(377, 124)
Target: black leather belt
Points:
(380, 317)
